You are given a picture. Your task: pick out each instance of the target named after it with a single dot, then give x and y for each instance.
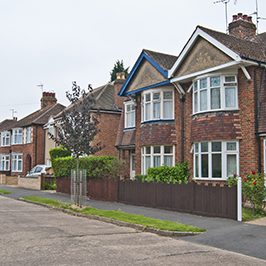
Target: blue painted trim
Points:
(157, 121)
(142, 56)
(166, 82)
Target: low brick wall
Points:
(8, 180)
(30, 182)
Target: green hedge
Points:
(58, 152)
(167, 174)
(96, 166)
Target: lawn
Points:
(119, 216)
(249, 215)
(4, 192)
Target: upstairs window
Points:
(28, 135)
(157, 105)
(5, 138)
(129, 114)
(215, 93)
(17, 135)
(4, 162)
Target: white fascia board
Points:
(246, 72)
(210, 39)
(205, 71)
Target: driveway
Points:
(34, 235)
(248, 239)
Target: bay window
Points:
(17, 162)
(5, 138)
(216, 159)
(154, 156)
(157, 105)
(17, 136)
(4, 162)
(129, 114)
(214, 93)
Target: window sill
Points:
(2, 146)
(216, 111)
(15, 144)
(158, 121)
(209, 179)
(129, 128)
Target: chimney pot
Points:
(234, 17)
(239, 15)
(245, 17)
(48, 99)
(249, 18)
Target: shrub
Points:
(50, 186)
(58, 152)
(166, 174)
(96, 166)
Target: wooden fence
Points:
(200, 199)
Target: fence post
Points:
(239, 199)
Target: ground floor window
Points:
(17, 162)
(4, 162)
(154, 156)
(216, 159)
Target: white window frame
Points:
(223, 153)
(5, 135)
(162, 101)
(15, 133)
(223, 85)
(130, 124)
(152, 154)
(15, 157)
(6, 159)
(28, 134)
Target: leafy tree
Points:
(118, 67)
(78, 125)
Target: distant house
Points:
(108, 108)
(23, 141)
(208, 107)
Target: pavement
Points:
(243, 238)
(35, 235)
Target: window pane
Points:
(156, 96)
(196, 147)
(148, 97)
(168, 149)
(204, 165)
(195, 102)
(215, 98)
(168, 109)
(196, 165)
(148, 111)
(147, 162)
(203, 100)
(168, 95)
(230, 79)
(128, 108)
(231, 165)
(230, 96)
(148, 150)
(215, 81)
(156, 161)
(231, 146)
(216, 146)
(168, 160)
(157, 149)
(195, 86)
(204, 147)
(156, 109)
(203, 83)
(216, 165)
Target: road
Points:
(34, 235)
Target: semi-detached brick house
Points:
(108, 109)
(22, 141)
(210, 108)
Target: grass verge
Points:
(249, 215)
(4, 192)
(119, 216)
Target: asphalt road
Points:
(34, 235)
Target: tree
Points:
(78, 125)
(118, 67)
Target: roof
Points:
(254, 50)
(160, 61)
(41, 116)
(166, 61)
(7, 124)
(104, 99)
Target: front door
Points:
(132, 164)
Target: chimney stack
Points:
(118, 83)
(242, 27)
(48, 99)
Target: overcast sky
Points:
(57, 41)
